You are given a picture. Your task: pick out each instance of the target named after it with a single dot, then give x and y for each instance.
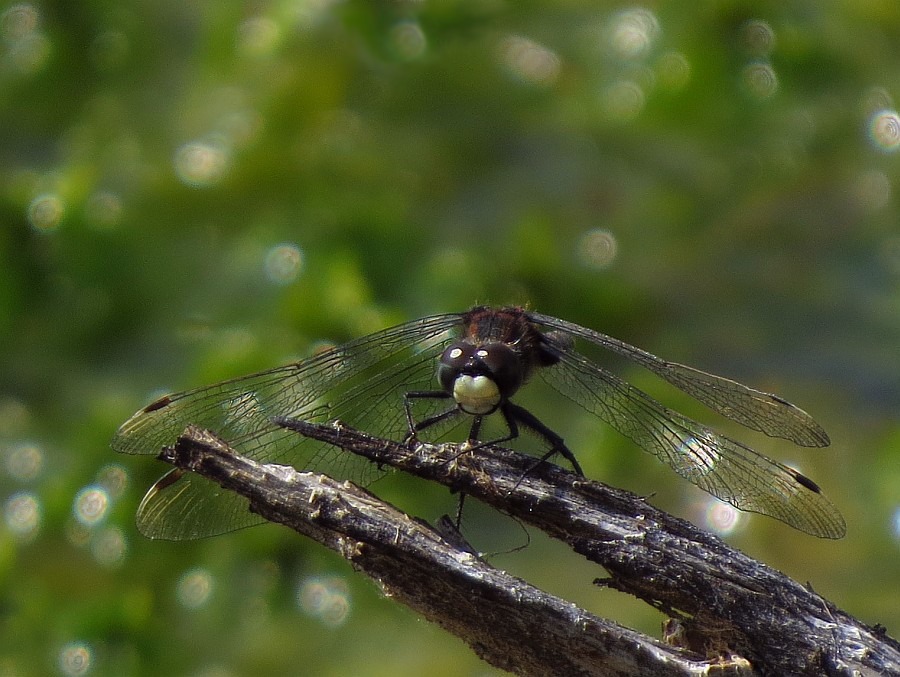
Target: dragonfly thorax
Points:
(480, 377)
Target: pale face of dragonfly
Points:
(428, 374)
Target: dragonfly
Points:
(426, 376)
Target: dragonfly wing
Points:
(361, 383)
(237, 409)
(186, 506)
(754, 409)
(720, 466)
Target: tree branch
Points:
(726, 602)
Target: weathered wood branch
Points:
(727, 602)
(509, 623)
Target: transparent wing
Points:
(754, 409)
(185, 506)
(720, 466)
(361, 383)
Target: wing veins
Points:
(755, 409)
(634, 413)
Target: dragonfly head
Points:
(480, 377)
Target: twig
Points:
(728, 603)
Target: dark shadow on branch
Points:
(725, 602)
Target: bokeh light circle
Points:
(22, 514)
(597, 248)
(884, 130)
(722, 518)
(758, 37)
(633, 32)
(258, 36)
(623, 100)
(408, 40)
(325, 598)
(103, 210)
(91, 505)
(18, 21)
(760, 79)
(114, 478)
(24, 461)
(195, 588)
(108, 547)
(46, 211)
(283, 263)
(202, 163)
(529, 61)
(75, 659)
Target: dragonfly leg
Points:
(431, 420)
(476, 429)
(513, 412)
(459, 510)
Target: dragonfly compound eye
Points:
(503, 365)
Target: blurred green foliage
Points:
(711, 181)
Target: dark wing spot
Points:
(806, 482)
(163, 401)
(166, 480)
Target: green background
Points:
(710, 181)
